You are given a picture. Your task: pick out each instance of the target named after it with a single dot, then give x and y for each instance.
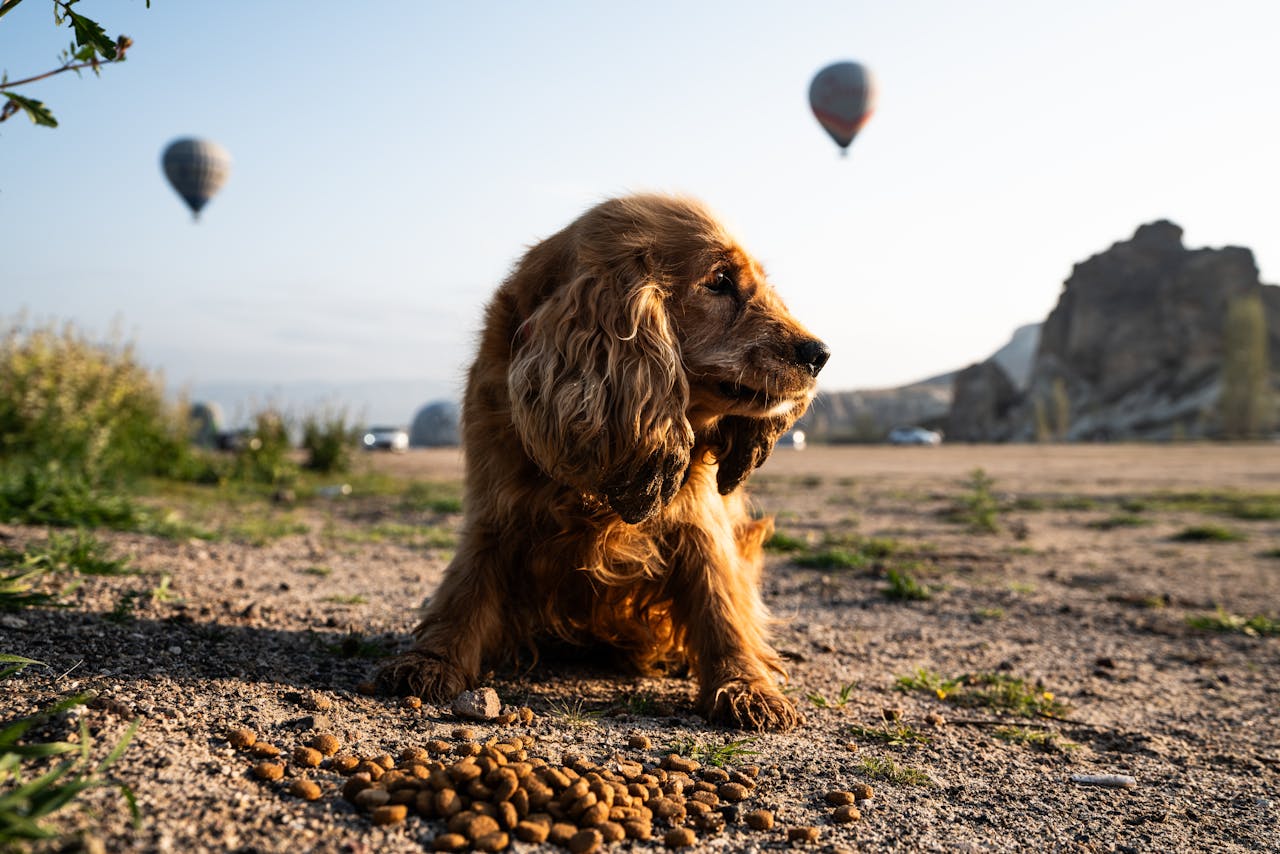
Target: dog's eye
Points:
(723, 283)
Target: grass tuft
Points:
(720, 755)
(820, 700)
(884, 768)
(904, 587)
(1224, 621)
(995, 691)
(1208, 534)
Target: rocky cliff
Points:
(1133, 349)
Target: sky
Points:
(393, 160)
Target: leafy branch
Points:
(92, 49)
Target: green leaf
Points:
(7, 6)
(38, 112)
(90, 32)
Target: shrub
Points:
(328, 440)
(88, 406)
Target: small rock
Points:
(481, 704)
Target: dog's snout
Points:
(812, 355)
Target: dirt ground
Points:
(1080, 600)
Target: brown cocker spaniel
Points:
(633, 370)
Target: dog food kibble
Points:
(372, 798)
(268, 771)
(528, 831)
(480, 825)
(307, 757)
(759, 819)
(464, 733)
(308, 790)
(390, 814)
(344, 763)
(803, 834)
(561, 833)
(450, 842)
(733, 792)
(846, 814)
(637, 829)
(507, 719)
(495, 841)
(586, 841)
(242, 739)
(612, 832)
(263, 750)
(863, 791)
(327, 743)
(525, 714)
(675, 762)
(679, 837)
(639, 742)
(411, 702)
(839, 798)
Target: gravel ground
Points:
(1087, 611)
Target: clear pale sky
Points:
(392, 160)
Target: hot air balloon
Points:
(842, 96)
(197, 169)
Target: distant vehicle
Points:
(914, 436)
(794, 439)
(386, 439)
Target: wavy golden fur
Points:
(632, 372)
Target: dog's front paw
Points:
(751, 705)
(424, 675)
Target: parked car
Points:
(386, 439)
(914, 436)
(794, 439)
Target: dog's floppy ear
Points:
(598, 391)
(744, 444)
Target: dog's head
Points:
(644, 328)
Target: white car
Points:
(386, 439)
(914, 436)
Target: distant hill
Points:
(867, 415)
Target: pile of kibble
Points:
(484, 794)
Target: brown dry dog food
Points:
(390, 814)
(863, 791)
(344, 764)
(846, 814)
(495, 841)
(838, 798)
(268, 770)
(450, 842)
(528, 831)
(803, 834)
(586, 841)
(307, 757)
(326, 742)
(679, 837)
(308, 790)
(242, 739)
(759, 819)
(263, 750)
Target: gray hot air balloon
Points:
(842, 96)
(197, 168)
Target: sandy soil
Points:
(1087, 611)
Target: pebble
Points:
(481, 704)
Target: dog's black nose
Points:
(812, 354)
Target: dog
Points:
(632, 371)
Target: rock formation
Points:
(1133, 348)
